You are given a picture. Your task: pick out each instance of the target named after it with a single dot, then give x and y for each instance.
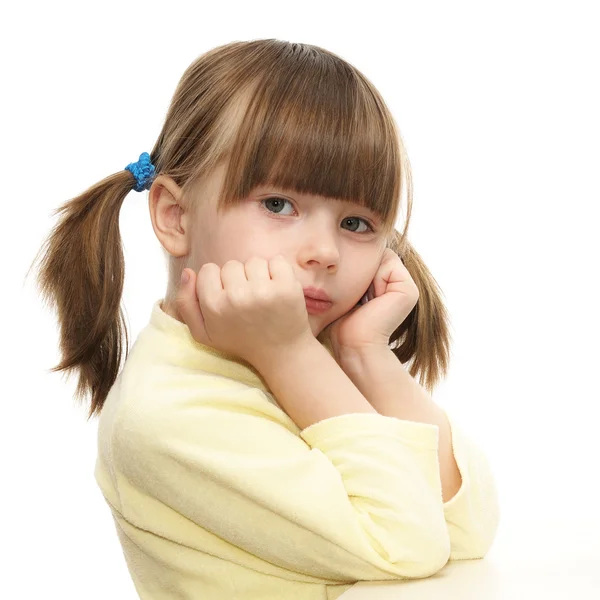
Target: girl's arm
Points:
(301, 377)
(393, 392)
(470, 496)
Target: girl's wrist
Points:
(354, 359)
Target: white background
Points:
(497, 104)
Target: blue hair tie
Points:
(143, 170)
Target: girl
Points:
(260, 443)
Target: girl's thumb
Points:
(188, 307)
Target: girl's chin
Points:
(315, 325)
(321, 331)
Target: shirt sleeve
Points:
(353, 497)
(473, 514)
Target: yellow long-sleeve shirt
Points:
(216, 494)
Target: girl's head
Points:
(268, 147)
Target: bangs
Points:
(317, 127)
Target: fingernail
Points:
(185, 277)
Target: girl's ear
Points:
(163, 184)
(169, 219)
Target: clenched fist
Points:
(251, 310)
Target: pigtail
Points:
(425, 332)
(81, 275)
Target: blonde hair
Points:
(292, 115)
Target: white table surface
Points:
(529, 560)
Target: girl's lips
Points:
(316, 294)
(315, 307)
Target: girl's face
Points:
(329, 244)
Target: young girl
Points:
(264, 439)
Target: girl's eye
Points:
(279, 202)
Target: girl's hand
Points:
(250, 309)
(393, 295)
